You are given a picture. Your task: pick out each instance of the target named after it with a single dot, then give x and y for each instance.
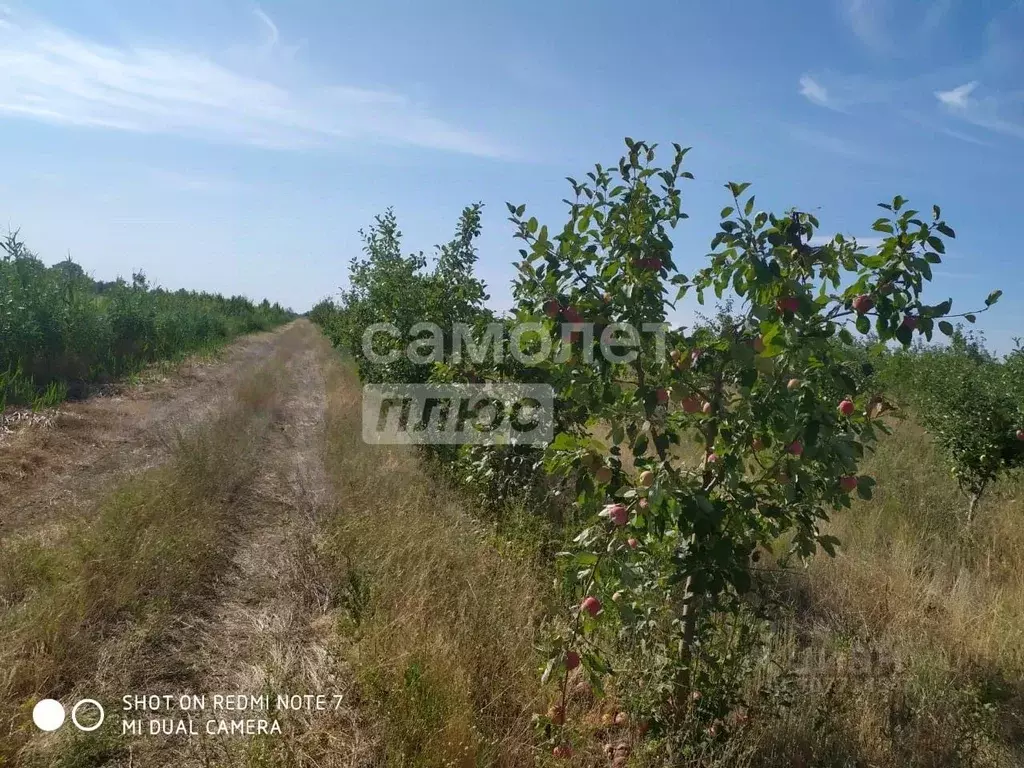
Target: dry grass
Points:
(442, 624)
(910, 643)
(140, 561)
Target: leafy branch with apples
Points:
(733, 440)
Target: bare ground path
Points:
(255, 615)
(267, 631)
(61, 463)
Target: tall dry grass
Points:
(441, 621)
(907, 649)
(139, 563)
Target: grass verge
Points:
(441, 623)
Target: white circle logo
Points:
(48, 715)
(94, 726)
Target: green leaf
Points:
(726, 212)
(882, 225)
(970, 318)
(937, 244)
(749, 206)
(945, 327)
(993, 298)
(863, 324)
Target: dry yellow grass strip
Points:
(442, 624)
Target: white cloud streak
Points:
(957, 97)
(999, 111)
(813, 90)
(54, 76)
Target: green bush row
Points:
(60, 330)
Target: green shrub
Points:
(61, 329)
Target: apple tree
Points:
(692, 451)
(971, 405)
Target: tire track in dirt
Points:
(60, 467)
(268, 631)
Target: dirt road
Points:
(169, 542)
(60, 461)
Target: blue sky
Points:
(238, 147)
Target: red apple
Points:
(617, 513)
(863, 303)
(562, 752)
(591, 605)
(653, 264)
(1020, 434)
(793, 384)
(617, 597)
(885, 289)
(647, 478)
(572, 660)
(603, 475)
(691, 404)
(556, 715)
(788, 304)
(706, 408)
(643, 503)
(796, 448)
(676, 355)
(910, 321)
(848, 483)
(758, 344)
(757, 444)
(572, 315)
(551, 308)
(662, 395)
(712, 458)
(633, 543)
(846, 407)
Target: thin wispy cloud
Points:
(866, 19)
(813, 90)
(845, 93)
(55, 76)
(999, 111)
(873, 21)
(273, 36)
(957, 97)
